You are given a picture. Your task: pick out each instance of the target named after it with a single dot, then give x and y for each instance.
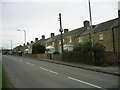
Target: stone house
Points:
(105, 33)
(69, 38)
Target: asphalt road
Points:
(31, 73)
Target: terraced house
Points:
(105, 33)
(69, 39)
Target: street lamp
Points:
(91, 34)
(61, 30)
(24, 35)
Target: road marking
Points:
(86, 83)
(21, 60)
(29, 63)
(48, 70)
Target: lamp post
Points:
(91, 34)
(24, 35)
(11, 44)
(61, 30)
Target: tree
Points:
(37, 49)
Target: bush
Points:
(68, 56)
(86, 47)
(56, 52)
(97, 50)
(99, 58)
(78, 47)
(37, 49)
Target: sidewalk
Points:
(108, 70)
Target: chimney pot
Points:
(66, 30)
(36, 39)
(86, 23)
(52, 34)
(27, 43)
(31, 41)
(43, 37)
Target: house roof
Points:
(52, 38)
(116, 24)
(87, 31)
(70, 33)
(74, 32)
(105, 25)
(100, 27)
(41, 41)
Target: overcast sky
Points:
(40, 17)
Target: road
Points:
(31, 73)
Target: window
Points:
(28, 46)
(59, 41)
(70, 39)
(63, 40)
(46, 45)
(101, 37)
(53, 43)
(80, 39)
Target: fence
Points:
(85, 57)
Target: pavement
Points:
(114, 70)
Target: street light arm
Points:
(18, 30)
(24, 34)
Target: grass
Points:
(5, 80)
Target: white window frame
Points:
(59, 41)
(70, 39)
(101, 37)
(80, 39)
(53, 43)
(63, 40)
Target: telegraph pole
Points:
(61, 30)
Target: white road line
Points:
(48, 70)
(29, 63)
(20, 60)
(86, 83)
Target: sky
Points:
(40, 17)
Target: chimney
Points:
(31, 41)
(36, 39)
(23, 44)
(86, 23)
(43, 37)
(27, 43)
(52, 34)
(66, 30)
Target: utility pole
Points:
(11, 44)
(25, 35)
(91, 34)
(61, 30)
